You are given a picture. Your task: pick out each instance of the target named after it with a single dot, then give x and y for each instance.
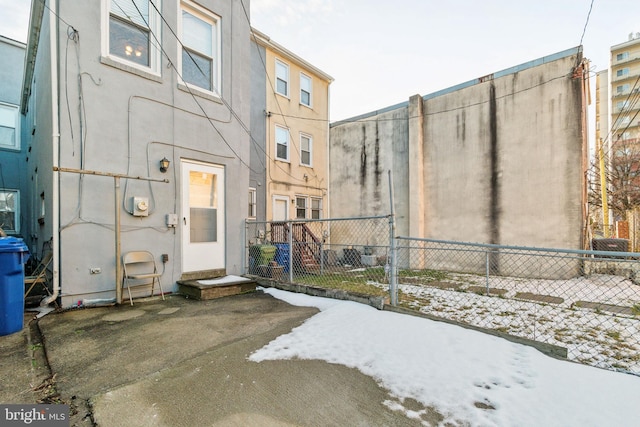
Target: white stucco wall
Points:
(501, 160)
(124, 122)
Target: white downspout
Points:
(55, 145)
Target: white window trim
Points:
(16, 211)
(286, 95)
(622, 72)
(215, 20)
(18, 138)
(155, 51)
(306, 206)
(275, 132)
(303, 75)
(310, 138)
(311, 207)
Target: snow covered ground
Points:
(595, 337)
(469, 377)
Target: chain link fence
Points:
(347, 254)
(585, 301)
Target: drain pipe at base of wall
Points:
(55, 142)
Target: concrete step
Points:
(207, 289)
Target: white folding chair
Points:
(140, 270)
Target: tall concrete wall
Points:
(496, 160)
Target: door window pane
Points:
(203, 204)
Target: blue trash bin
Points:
(282, 255)
(13, 255)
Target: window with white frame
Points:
(305, 149)
(622, 56)
(623, 72)
(621, 89)
(253, 211)
(316, 208)
(301, 207)
(200, 47)
(282, 78)
(305, 90)
(620, 105)
(9, 126)
(282, 143)
(134, 26)
(10, 211)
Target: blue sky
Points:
(382, 52)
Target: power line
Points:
(584, 30)
(229, 107)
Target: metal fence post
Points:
(393, 280)
(487, 268)
(290, 240)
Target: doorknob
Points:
(184, 218)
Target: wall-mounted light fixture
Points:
(164, 164)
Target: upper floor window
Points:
(9, 211)
(622, 56)
(305, 90)
(282, 143)
(253, 211)
(282, 78)
(200, 47)
(623, 72)
(305, 150)
(134, 26)
(620, 105)
(9, 126)
(622, 89)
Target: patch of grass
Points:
(613, 334)
(345, 283)
(413, 301)
(506, 313)
(429, 275)
(635, 309)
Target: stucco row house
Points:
(145, 126)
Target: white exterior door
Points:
(280, 208)
(203, 219)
